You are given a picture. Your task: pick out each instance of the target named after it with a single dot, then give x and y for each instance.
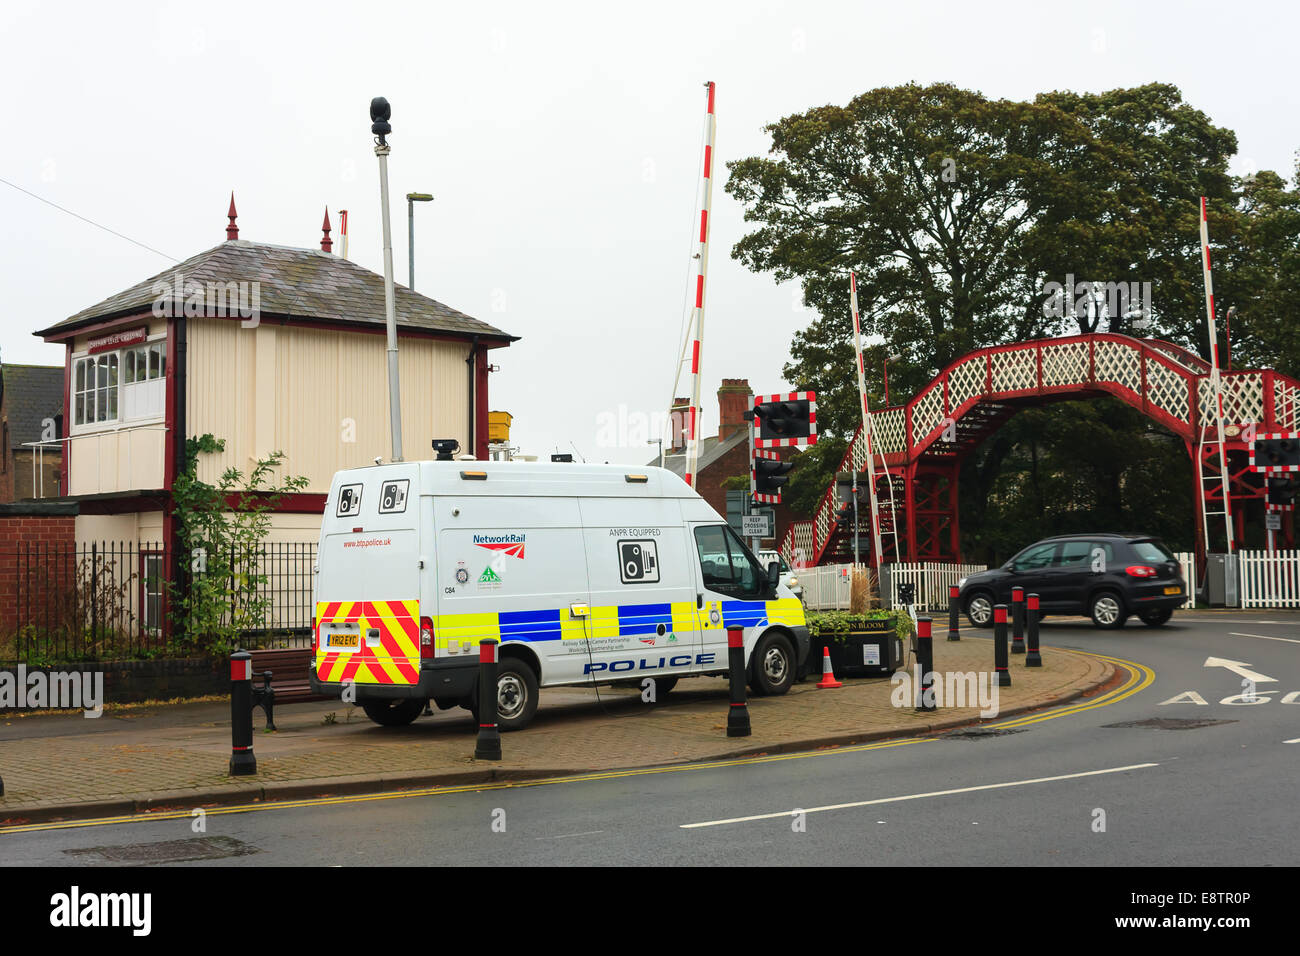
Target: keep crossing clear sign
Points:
(757, 526)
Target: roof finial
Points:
(326, 243)
(232, 231)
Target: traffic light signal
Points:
(768, 473)
(1275, 453)
(1280, 493)
(786, 420)
(845, 515)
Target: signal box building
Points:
(270, 348)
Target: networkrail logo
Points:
(511, 544)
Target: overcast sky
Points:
(561, 142)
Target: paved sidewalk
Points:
(64, 766)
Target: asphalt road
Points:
(1084, 785)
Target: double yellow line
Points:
(1139, 677)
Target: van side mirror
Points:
(773, 575)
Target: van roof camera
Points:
(445, 447)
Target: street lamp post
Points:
(411, 200)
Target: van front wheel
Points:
(393, 713)
(773, 666)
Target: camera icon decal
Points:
(638, 562)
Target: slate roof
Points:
(710, 451)
(30, 393)
(296, 283)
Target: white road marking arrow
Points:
(1240, 668)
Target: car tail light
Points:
(1140, 571)
(426, 637)
(315, 635)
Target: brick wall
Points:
(33, 547)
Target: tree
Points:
(1264, 276)
(955, 211)
(221, 531)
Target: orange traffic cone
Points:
(828, 672)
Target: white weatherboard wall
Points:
(318, 395)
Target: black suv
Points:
(1105, 576)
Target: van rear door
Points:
(368, 588)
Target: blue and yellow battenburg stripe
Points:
(622, 620)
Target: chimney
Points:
(232, 231)
(678, 419)
(734, 399)
(326, 243)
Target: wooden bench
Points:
(288, 674)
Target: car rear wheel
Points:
(979, 609)
(1155, 618)
(397, 712)
(1107, 610)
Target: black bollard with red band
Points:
(954, 602)
(488, 744)
(1032, 658)
(925, 662)
(242, 761)
(1000, 645)
(1017, 620)
(738, 713)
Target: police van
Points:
(586, 574)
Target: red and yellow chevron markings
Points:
(395, 660)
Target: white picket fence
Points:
(1187, 562)
(932, 579)
(827, 588)
(1269, 579)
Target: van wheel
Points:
(773, 666)
(516, 694)
(397, 712)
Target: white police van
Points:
(585, 573)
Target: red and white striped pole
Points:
(1216, 383)
(702, 255)
(866, 422)
(343, 230)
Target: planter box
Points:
(873, 650)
